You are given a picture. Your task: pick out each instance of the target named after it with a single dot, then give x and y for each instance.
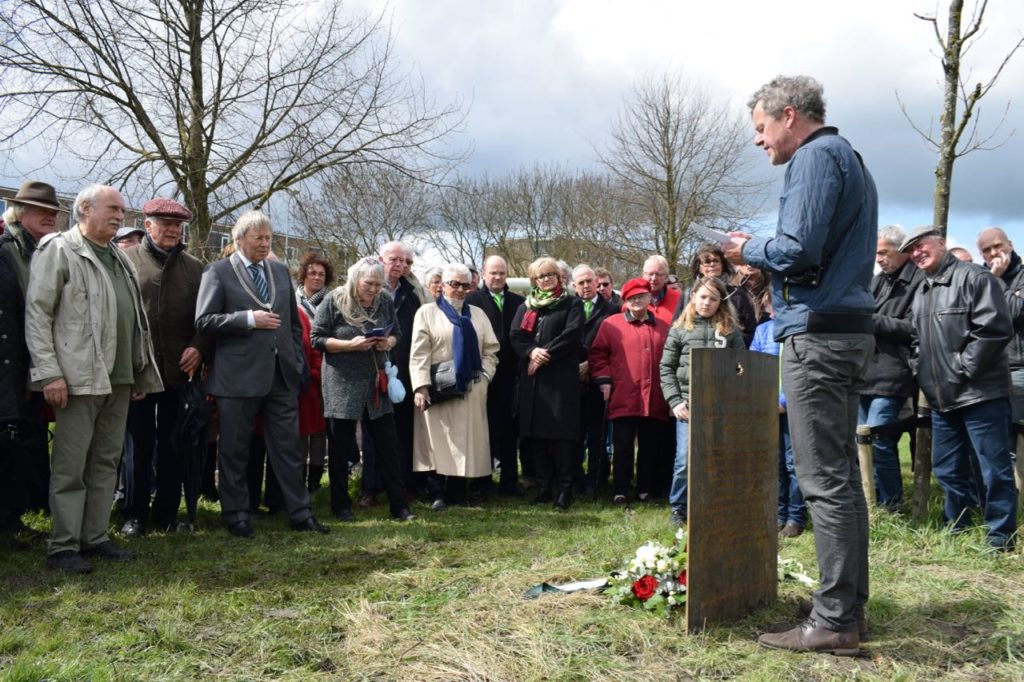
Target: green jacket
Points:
(675, 360)
(20, 245)
(68, 314)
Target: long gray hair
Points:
(346, 297)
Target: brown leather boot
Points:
(809, 636)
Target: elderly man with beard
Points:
(30, 216)
(962, 327)
(169, 278)
(89, 339)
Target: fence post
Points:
(867, 468)
(922, 460)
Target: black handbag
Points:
(443, 383)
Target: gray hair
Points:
(86, 196)
(892, 234)
(659, 260)
(431, 273)
(566, 270)
(346, 296)
(803, 93)
(249, 220)
(13, 212)
(580, 268)
(390, 246)
(456, 269)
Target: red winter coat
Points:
(627, 355)
(311, 408)
(666, 307)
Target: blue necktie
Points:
(260, 281)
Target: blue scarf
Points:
(464, 341)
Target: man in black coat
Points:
(500, 304)
(889, 382)
(397, 259)
(594, 426)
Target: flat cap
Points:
(918, 234)
(125, 231)
(166, 208)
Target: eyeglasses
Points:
(710, 261)
(465, 286)
(547, 275)
(603, 285)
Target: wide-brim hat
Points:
(637, 285)
(36, 193)
(917, 235)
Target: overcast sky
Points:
(544, 79)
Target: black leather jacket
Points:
(962, 327)
(1013, 281)
(889, 372)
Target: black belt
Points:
(840, 323)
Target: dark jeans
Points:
(820, 373)
(984, 426)
(342, 440)
(880, 410)
(791, 501)
(151, 423)
(645, 436)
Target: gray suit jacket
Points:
(243, 358)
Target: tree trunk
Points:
(947, 121)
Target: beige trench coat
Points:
(451, 438)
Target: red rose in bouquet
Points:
(645, 587)
(682, 577)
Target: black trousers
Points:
(645, 436)
(388, 459)
(553, 463)
(151, 423)
(502, 434)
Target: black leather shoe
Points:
(107, 550)
(310, 525)
(404, 515)
(133, 528)
(438, 505)
(68, 561)
(242, 529)
(564, 500)
(345, 515)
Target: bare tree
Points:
(360, 207)
(958, 135)
(223, 102)
(680, 156)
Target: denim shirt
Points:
(828, 210)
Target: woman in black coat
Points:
(547, 334)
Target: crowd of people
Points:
(435, 386)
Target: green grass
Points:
(441, 599)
